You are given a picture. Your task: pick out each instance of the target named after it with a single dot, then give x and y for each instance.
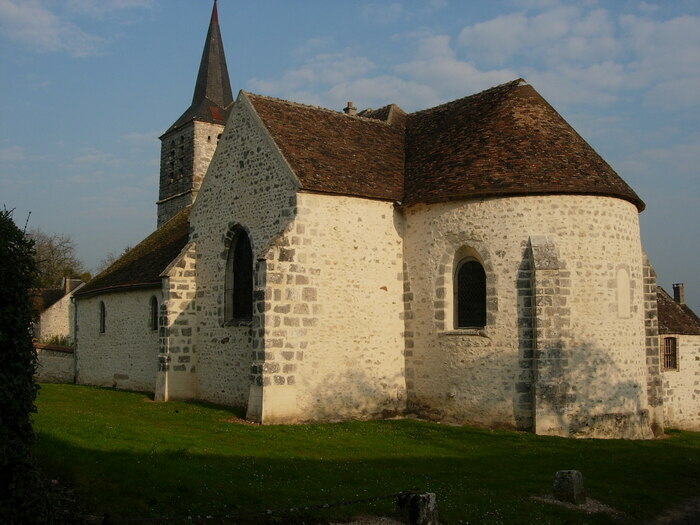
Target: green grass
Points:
(131, 457)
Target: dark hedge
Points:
(19, 500)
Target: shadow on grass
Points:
(485, 486)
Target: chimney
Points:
(350, 109)
(678, 293)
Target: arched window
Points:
(154, 313)
(103, 317)
(470, 294)
(239, 279)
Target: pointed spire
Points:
(212, 97)
(212, 80)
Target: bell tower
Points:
(188, 145)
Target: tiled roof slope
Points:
(506, 140)
(141, 266)
(391, 114)
(332, 152)
(503, 141)
(675, 318)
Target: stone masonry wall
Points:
(651, 333)
(54, 366)
(681, 387)
(334, 313)
(126, 354)
(184, 159)
(485, 377)
(206, 139)
(170, 207)
(177, 330)
(551, 338)
(249, 186)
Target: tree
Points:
(55, 257)
(18, 272)
(110, 259)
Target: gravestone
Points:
(568, 486)
(417, 509)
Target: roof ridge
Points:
(318, 108)
(513, 83)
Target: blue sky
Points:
(87, 86)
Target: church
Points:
(475, 262)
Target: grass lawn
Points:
(131, 457)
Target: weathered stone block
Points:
(568, 486)
(417, 509)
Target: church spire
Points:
(212, 97)
(212, 80)
(189, 145)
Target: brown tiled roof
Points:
(503, 141)
(332, 152)
(506, 140)
(675, 318)
(141, 266)
(391, 114)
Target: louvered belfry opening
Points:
(471, 295)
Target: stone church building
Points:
(476, 262)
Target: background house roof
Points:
(675, 318)
(141, 266)
(43, 298)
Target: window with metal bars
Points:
(239, 279)
(470, 295)
(670, 357)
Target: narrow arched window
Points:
(154, 313)
(103, 317)
(239, 279)
(470, 295)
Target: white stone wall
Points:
(333, 308)
(177, 330)
(56, 320)
(185, 157)
(487, 377)
(206, 139)
(681, 387)
(126, 354)
(249, 186)
(54, 366)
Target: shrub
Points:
(18, 274)
(59, 340)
